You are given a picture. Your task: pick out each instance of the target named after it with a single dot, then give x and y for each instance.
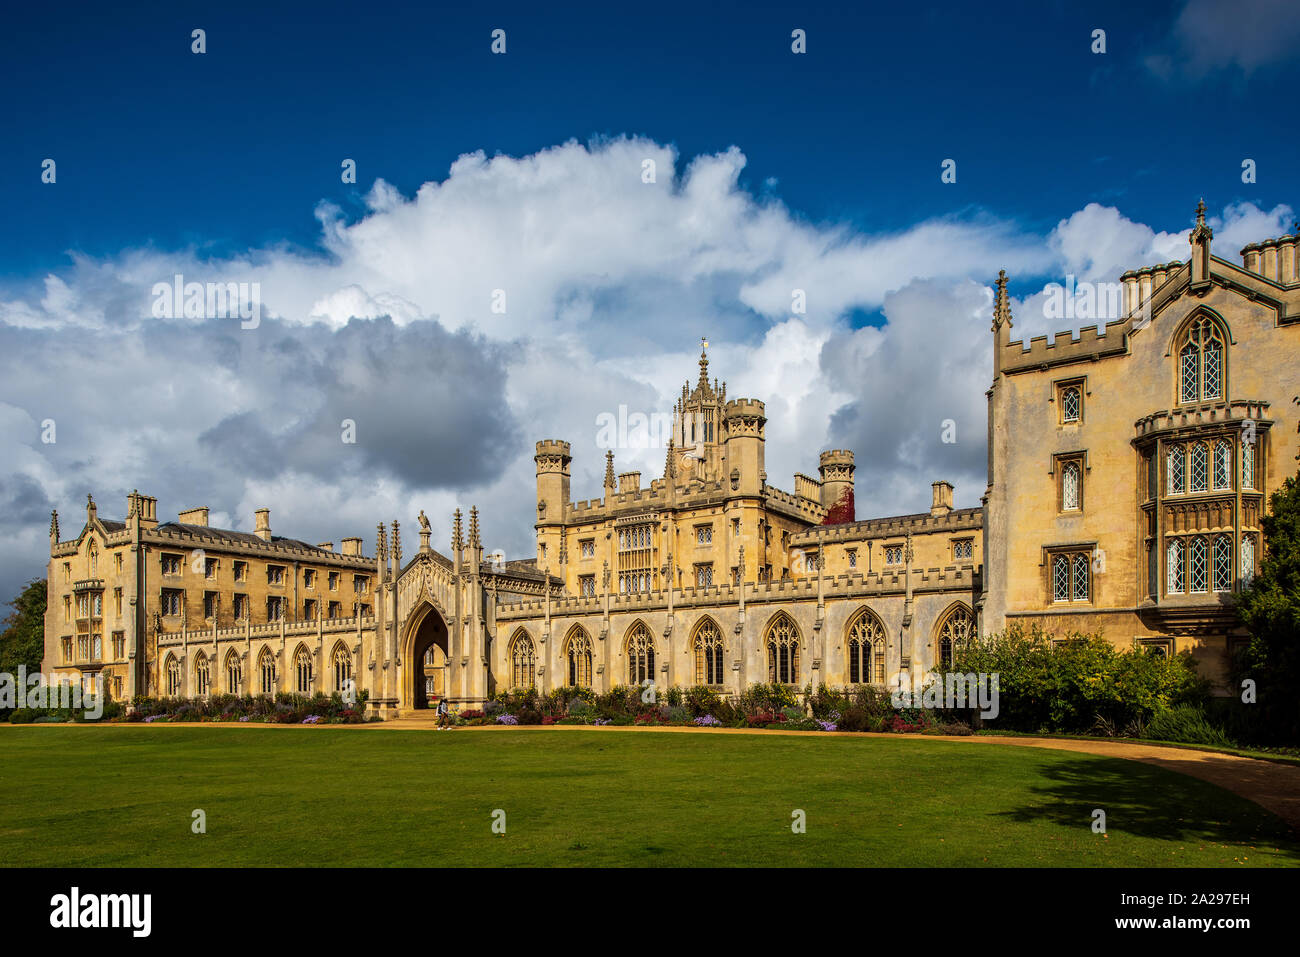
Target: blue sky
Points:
(476, 173)
(233, 148)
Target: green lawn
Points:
(326, 796)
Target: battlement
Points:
(554, 447)
(739, 408)
(959, 519)
(836, 457)
(1233, 412)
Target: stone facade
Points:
(1129, 465)
(711, 575)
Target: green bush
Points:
(1069, 684)
(1187, 724)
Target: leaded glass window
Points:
(708, 654)
(201, 676)
(1223, 563)
(1060, 578)
(342, 663)
(302, 671)
(523, 661)
(783, 651)
(577, 651)
(1247, 559)
(1070, 486)
(1199, 566)
(640, 655)
(234, 673)
(1070, 403)
(1176, 471)
(1200, 362)
(1081, 565)
(1174, 569)
(957, 627)
(1200, 467)
(173, 676)
(866, 643)
(1189, 359)
(1247, 465)
(1222, 465)
(266, 666)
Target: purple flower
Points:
(311, 719)
(507, 719)
(244, 718)
(828, 725)
(708, 721)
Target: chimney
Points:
(942, 501)
(351, 546)
(194, 516)
(328, 546)
(263, 527)
(145, 506)
(629, 482)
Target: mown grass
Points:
(123, 796)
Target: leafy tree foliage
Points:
(1270, 610)
(23, 640)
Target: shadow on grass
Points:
(1149, 802)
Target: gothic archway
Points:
(426, 655)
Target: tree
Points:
(1270, 610)
(23, 640)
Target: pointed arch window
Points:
(577, 652)
(173, 677)
(302, 671)
(783, 651)
(956, 628)
(640, 655)
(1247, 559)
(523, 661)
(1200, 361)
(866, 645)
(234, 673)
(202, 677)
(266, 670)
(708, 654)
(1070, 487)
(1247, 465)
(341, 662)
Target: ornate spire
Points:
(1201, 230)
(457, 533)
(381, 543)
(54, 524)
(704, 365)
(397, 544)
(1001, 304)
(473, 527)
(609, 469)
(670, 463)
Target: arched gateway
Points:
(426, 652)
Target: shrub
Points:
(854, 719)
(1187, 724)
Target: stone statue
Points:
(424, 522)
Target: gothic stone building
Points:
(1128, 470)
(1129, 466)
